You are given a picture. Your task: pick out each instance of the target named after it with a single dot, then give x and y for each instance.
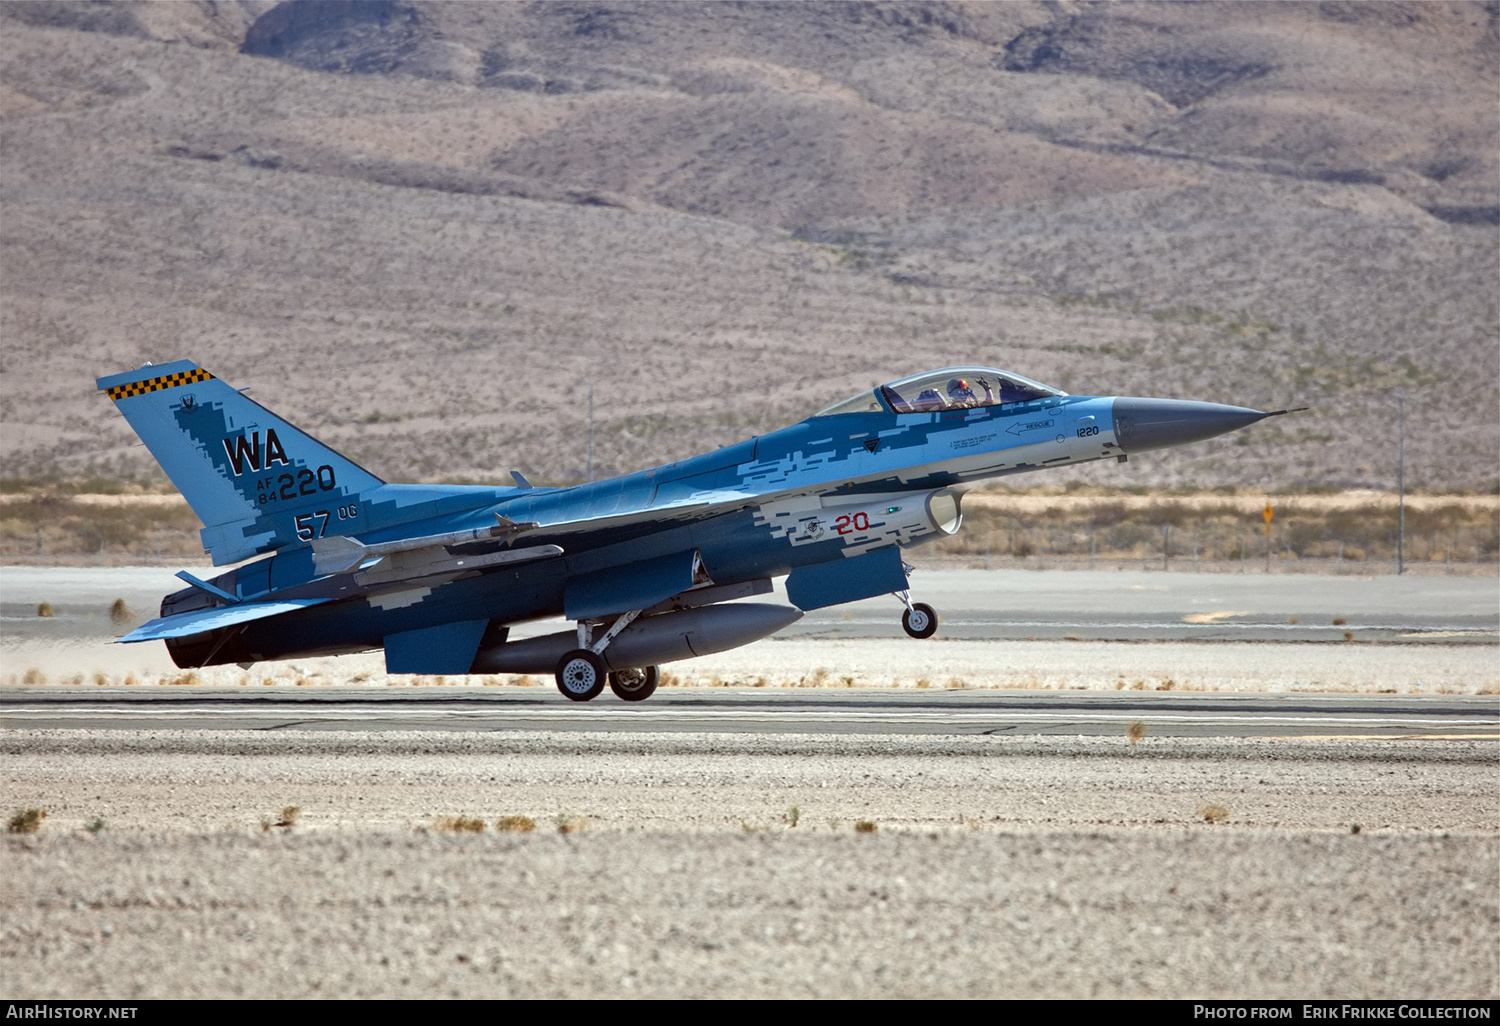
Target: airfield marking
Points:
(1437, 630)
(1380, 737)
(558, 717)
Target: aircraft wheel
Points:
(920, 621)
(580, 675)
(634, 684)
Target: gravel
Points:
(704, 865)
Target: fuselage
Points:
(830, 487)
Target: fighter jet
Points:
(649, 566)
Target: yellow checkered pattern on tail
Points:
(157, 384)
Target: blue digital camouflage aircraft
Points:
(646, 564)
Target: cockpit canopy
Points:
(952, 388)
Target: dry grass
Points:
(1214, 812)
(865, 826)
(1042, 523)
(289, 816)
(458, 825)
(1136, 731)
(26, 821)
(572, 824)
(515, 825)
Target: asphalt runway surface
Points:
(739, 710)
(1105, 630)
(971, 604)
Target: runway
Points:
(1159, 606)
(1017, 630)
(972, 605)
(744, 710)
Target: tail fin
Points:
(255, 481)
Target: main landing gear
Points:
(920, 620)
(582, 673)
(635, 684)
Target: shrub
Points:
(26, 821)
(1214, 813)
(458, 825)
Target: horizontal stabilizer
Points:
(412, 564)
(199, 621)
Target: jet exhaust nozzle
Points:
(649, 641)
(1145, 424)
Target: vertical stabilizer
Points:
(255, 481)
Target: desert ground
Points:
(305, 864)
(420, 231)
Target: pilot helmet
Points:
(959, 388)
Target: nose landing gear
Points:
(920, 620)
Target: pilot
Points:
(960, 394)
(927, 401)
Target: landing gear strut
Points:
(920, 620)
(582, 673)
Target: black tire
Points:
(581, 675)
(920, 621)
(634, 684)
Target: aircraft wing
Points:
(698, 506)
(657, 514)
(180, 625)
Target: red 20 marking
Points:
(848, 525)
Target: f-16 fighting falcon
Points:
(647, 565)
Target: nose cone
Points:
(1145, 424)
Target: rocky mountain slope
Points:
(418, 230)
